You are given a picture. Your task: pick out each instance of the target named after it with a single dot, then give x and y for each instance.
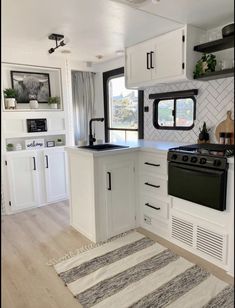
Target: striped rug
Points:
(134, 271)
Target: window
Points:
(171, 112)
(123, 109)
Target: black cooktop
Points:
(212, 149)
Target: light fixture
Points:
(57, 38)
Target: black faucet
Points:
(91, 138)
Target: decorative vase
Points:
(10, 103)
(53, 106)
(33, 104)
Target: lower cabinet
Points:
(35, 178)
(23, 180)
(120, 197)
(102, 193)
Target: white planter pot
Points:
(10, 103)
(53, 106)
(33, 104)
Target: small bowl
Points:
(228, 30)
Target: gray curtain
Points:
(83, 91)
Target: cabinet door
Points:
(55, 174)
(137, 67)
(120, 197)
(168, 55)
(23, 177)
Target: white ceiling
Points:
(101, 27)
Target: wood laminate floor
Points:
(30, 239)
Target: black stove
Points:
(209, 155)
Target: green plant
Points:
(207, 63)
(10, 146)
(9, 93)
(53, 100)
(204, 133)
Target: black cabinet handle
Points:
(147, 54)
(47, 166)
(150, 164)
(151, 59)
(110, 181)
(34, 163)
(155, 186)
(153, 207)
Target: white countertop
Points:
(132, 146)
(141, 144)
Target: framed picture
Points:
(34, 144)
(31, 85)
(50, 144)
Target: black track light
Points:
(56, 37)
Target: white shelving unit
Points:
(38, 176)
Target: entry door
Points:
(55, 174)
(120, 197)
(23, 177)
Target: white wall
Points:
(214, 99)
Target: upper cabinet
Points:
(166, 58)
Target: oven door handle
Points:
(194, 170)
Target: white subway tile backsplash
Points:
(214, 99)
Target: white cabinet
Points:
(154, 202)
(166, 58)
(35, 178)
(55, 174)
(23, 178)
(102, 193)
(120, 197)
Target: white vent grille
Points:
(182, 230)
(210, 243)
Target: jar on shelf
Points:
(227, 138)
(222, 138)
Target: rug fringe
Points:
(85, 248)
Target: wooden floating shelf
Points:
(217, 75)
(213, 46)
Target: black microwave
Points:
(36, 125)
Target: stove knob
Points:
(203, 161)
(194, 159)
(217, 162)
(185, 158)
(174, 156)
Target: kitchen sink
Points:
(103, 147)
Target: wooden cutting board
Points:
(226, 126)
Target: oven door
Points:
(200, 185)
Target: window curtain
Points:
(83, 95)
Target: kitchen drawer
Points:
(155, 207)
(153, 163)
(154, 185)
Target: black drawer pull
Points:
(34, 163)
(47, 166)
(153, 207)
(110, 183)
(150, 164)
(155, 186)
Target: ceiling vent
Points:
(134, 3)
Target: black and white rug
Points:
(134, 271)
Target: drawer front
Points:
(154, 207)
(154, 185)
(154, 163)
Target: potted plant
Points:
(207, 63)
(10, 147)
(53, 101)
(10, 101)
(59, 142)
(204, 134)
(33, 103)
